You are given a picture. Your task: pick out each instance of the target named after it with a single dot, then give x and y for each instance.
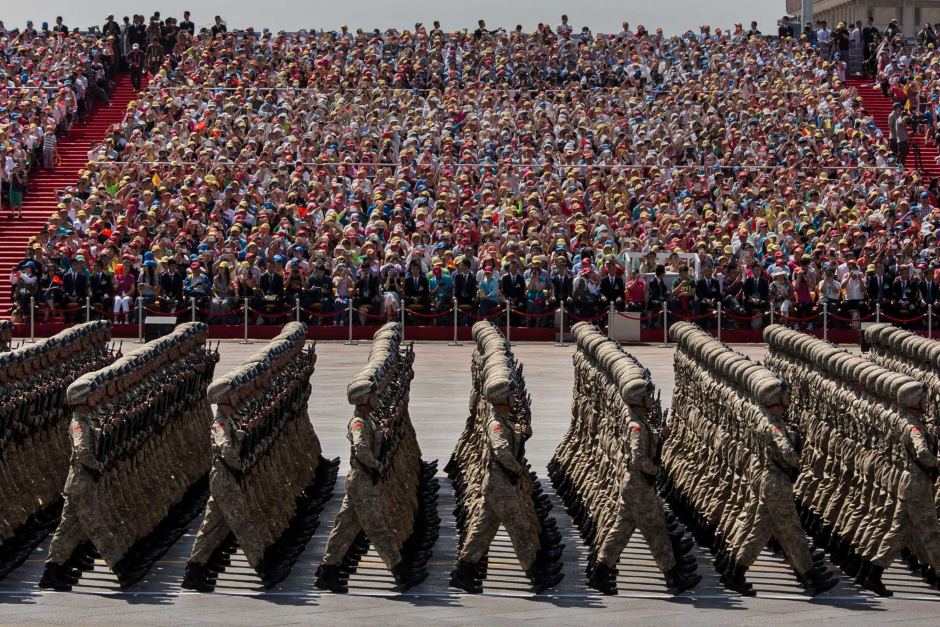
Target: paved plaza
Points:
(439, 399)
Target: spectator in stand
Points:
(124, 294)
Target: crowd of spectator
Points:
(423, 169)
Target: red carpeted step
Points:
(880, 107)
(41, 197)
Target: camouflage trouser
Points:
(640, 508)
(211, 535)
(349, 522)
(914, 523)
(252, 534)
(776, 516)
(79, 522)
(507, 509)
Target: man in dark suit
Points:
(187, 24)
(562, 283)
(513, 284)
(756, 292)
(879, 289)
(102, 287)
(75, 287)
(658, 294)
(928, 292)
(271, 288)
(367, 290)
(417, 288)
(612, 286)
(465, 290)
(904, 294)
(707, 292)
(171, 287)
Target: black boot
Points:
(466, 577)
(197, 578)
(872, 580)
(52, 578)
(406, 577)
(815, 582)
(678, 581)
(734, 579)
(329, 577)
(544, 577)
(602, 580)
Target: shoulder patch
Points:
(915, 429)
(218, 427)
(635, 429)
(775, 428)
(357, 424)
(77, 427)
(497, 428)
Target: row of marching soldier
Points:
(606, 467)
(866, 485)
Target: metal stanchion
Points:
(192, 309)
(561, 328)
(719, 322)
(455, 342)
(665, 326)
(930, 321)
(508, 313)
(350, 342)
(140, 319)
(88, 309)
(403, 322)
(32, 319)
(245, 306)
(771, 313)
(610, 319)
(825, 320)
(877, 312)
(297, 308)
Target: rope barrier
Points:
(597, 318)
(691, 317)
(844, 319)
(544, 314)
(273, 316)
(498, 312)
(797, 319)
(734, 316)
(903, 320)
(641, 318)
(430, 316)
(318, 314)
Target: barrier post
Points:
(88, 309)
(455, 342)
(665, 326)
(349, 308)
(825, 321)
(140, 319)
(719, 322)
(561, 329)
(297, 308)
(930, 321)
(508, 312)
(403, 322)
(192, 309)
(32, 319)
(877, 312)
(245, 306)
(610, 319)
(771, 313)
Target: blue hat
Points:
(150, 263)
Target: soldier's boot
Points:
(733, 579)
(816, 582)
(544, 577)
(687, 563)
(681, 545)
(466, 577)
(929, 575)
(128, 575)
(678, 581)
(548, 554)
(329, 577)
(869, 577)
(852, 564)
(602, 579)
(53, 578)
(407, 577)
(548, 538)
(197, 578)
(912, 562)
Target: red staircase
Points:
(40, 200)
(880, 108)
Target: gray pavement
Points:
(439, 398)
